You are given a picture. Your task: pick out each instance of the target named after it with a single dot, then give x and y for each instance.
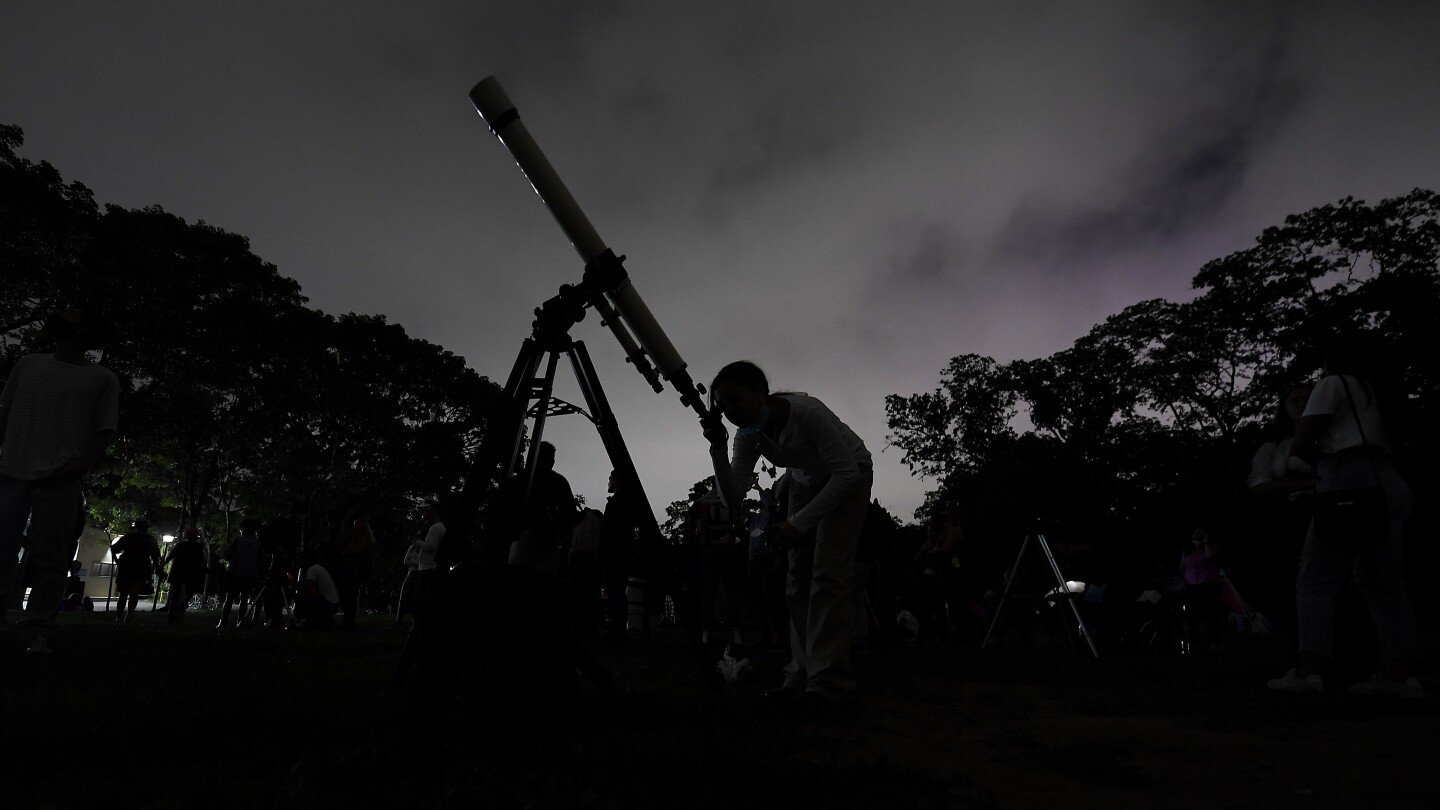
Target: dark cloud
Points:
(925, 253)
(1187, 172)
(643, 98)
(850, 193)
(771, 141)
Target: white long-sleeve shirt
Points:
(428, 546)
(814, 443)
(1273, 462)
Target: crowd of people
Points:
(810, 562)
(813, 563)
(267, 572)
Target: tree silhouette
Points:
(234, 391)
(1149, 416)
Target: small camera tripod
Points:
(271, 581)
(1036, 539)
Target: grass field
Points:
(147, 715)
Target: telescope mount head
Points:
(553, 319)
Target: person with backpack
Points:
(1350, 425)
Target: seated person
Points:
(317, 600)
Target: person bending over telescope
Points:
(832, 471)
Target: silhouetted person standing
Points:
(831, 469)
(187, 572)
(137, 559)
(618, 529)
(354, 548)
(247, 563)
(1280, 486)
(1361, 505)
(281, 542)
(550, 515)
(57, 415)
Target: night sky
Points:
(846, 193)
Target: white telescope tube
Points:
(500, 115)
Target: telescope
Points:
(516, 418)
(607, 285)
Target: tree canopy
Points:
(1151, 415)
(236, 396)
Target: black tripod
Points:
(1035, 539)
(285, 598)
(527, 398)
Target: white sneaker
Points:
(39, 646)
(1380, 686)
(1290, 682)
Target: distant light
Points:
(168, 538)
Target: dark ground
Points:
(151, 716)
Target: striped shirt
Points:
(55, 409)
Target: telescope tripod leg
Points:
(1005, 595)
(1069, 600)
(614, 442)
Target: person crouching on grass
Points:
(317, 599)
(800, 433)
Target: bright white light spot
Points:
(168, 538)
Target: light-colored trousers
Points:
(1327, 565)
(818, 594)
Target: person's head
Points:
(740, 390)
(77, 329)
(434, 513)
(190, 535)
(1351, 354)
(940, 522)
(140, 526)
(613, 485)
(1292, 402)
(1366, 358)
(308, 557)
(1290, 406)
(545, 457)
(250, 526)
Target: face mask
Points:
(759, 422)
